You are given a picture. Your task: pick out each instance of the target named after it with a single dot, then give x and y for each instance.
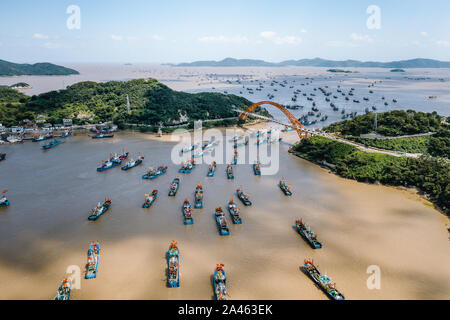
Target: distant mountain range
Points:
(39, 69)
(317, 62)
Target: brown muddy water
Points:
(45, 229)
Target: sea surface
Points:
(412, 89)
(45, 230)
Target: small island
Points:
(397, 70)
(339, 71)
(38, 69)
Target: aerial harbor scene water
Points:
(223, 178)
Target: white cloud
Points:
(340, 44)
(424, 34)
(272, 36)
(51, 45)
(157, 37)
(303, 30)
(40, 36)
(442, 43)
(224, 39)
(116, 37)
(361, 37)
(268, 34)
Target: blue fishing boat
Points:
(229, 171)
(66, 134)
(243, 197)
(211, 169)
(51, 144)
(4, 202)
(323, 281)
(114, 161)
(64, 290)
(221, 221)
(173, 263)
(187, 166)
(284, 187)
(154, 173)
(187, 212)
(257, 168)
(174, 187)
(307, 234)
(149, 199)
(198, 197)
(220, 283)
(133, 163)
(100, 209)
(234, 212)
(93, 260)
(235, 157)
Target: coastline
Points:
(414, 191)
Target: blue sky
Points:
(176, 31)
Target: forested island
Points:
(430, 173)
(38, 69)
(151, 103)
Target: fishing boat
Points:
(174, 187)
(307, 234)
(236, 138)
(51, 144)
(240, 144)
(66, 134)
(64, 290)
(111, 163)
(284, 187)
(4, 202)
(257, 168)
(93, 259)
(149, 199)
(100, 209)
(235, 157)
(198, 197)
(173, 263)
(221, 221)
(124, 155)
(189, 148)
(230, 171)
(133, 163)
(154, 173)
(187, 166)
(323, 281)
(103, 135)
(220, 283)
(243, 197)
(41, 137)
(187, 212)
(234, 212)
(211, 169)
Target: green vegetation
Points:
(437, 145)
(41, 69)
(151, 103)
(430, 175)
(392, 123)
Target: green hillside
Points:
(151, 102)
